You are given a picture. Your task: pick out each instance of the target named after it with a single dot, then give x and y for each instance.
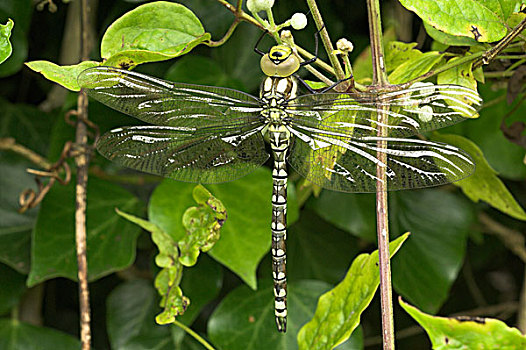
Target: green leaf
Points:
(236, 61)
(20, 12)
(201, 284)
(362, 66)
(5, 45)
(448, 39)
(467, 332)
(460, 75)
(439, 222)
(203, 71)
(12, 286)
(17, 335)
(336, 207)
(505, 157)
(152, 32)
(484, 184)
(415, 67)
(481, 20)
(110, 239)
(310, 242)
(131, 309)
(245, 319)
(15, 228)
(245, 236)
(28, 126)
(397, 52)
(63, 75)
(338, 311)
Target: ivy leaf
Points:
(467, 332)
(415, 67)
(484, 184)
(63, 75)
(244, 320)
(12, 287)
(428, 265)
(460, 75)
(448, 39)
(20, 11)
(310, 242)
(131, 309)
(152, 32)
(18, 335)
(338, 312)
(5, 45)
(15, 228)
(335, 208)
(110, 239)
(245, 236)
(396, 53)
(202, 71)
(480, 20)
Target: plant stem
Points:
(382, 220)
(448, 66)
(82, 162)
(521, 314)
(326, 40)
(239, 13)
(501, 45)
(194, 334)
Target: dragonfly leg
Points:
(256, 49)
(313, 59)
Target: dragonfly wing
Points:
(410, 111)
(204, 157)
(349, 165)
(161, 102)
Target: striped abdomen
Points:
(279, 223)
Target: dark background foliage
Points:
(453, 263)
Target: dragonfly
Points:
(207, 134)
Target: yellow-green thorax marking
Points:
(276, 90)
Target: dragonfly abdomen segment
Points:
(279, 233)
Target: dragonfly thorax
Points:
(275, 94)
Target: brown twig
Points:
(382, 220)
(240, 15)
(501, 45)
(82, 162)
(521, 314)
(9, 144)
(29, 198)
(513, 240)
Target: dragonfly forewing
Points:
(161, 102)
(408, 112)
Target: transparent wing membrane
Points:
(410, 111)
(160, 102)
(349, 165)
(211, 134)
(190, 157)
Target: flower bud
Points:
(256, 6)
(298, 21)
(344, 45)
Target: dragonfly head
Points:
(280, 62)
